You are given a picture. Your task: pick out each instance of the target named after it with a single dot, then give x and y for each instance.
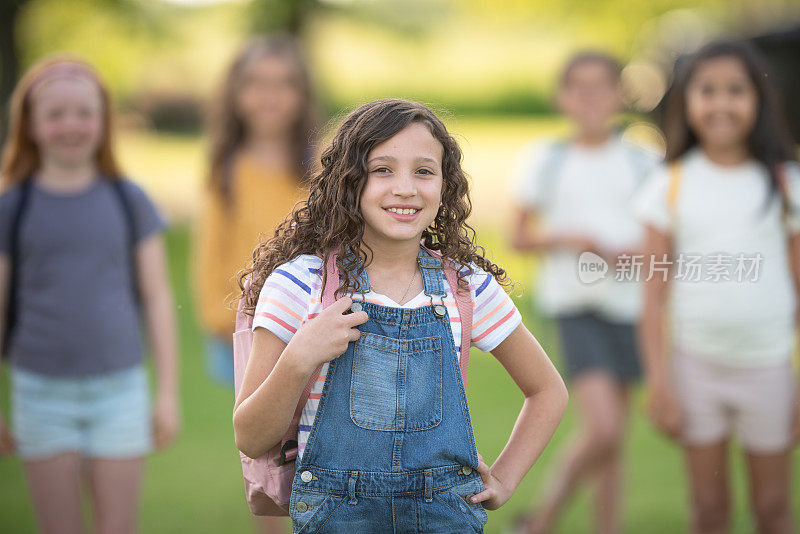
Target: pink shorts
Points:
(754, 403)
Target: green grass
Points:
(196, 486)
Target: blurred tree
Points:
(13, 50)
(9, 55)
(281, 15)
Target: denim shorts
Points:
(104, 416)
(373, 504)
(590, 342)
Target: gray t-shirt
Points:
(77, 313)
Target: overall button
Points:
(301, 507)
(356, 307)
(439, 310)
(306, 476)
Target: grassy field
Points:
(196, 486)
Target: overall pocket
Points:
(310, 510)
(396, 384)
(457, 499)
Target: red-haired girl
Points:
(81, 260)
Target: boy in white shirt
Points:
(574, 197)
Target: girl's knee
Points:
(710, 514)
(605, 441)
(772, 507)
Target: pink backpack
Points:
(268, 479)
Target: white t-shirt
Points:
(292, 295)
(741, 317)
(589, 194)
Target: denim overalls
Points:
(392, 448)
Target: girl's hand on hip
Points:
(495, 494)
(166, 421)
(326, 336)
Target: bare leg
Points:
(55, 489)
(115, 486)
(602, 410)
(608, 493)
(708, 481)
(770, 484)
(272, 525)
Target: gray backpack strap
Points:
(130, 234)
(548, 172)
(639, 162)
(14, 255)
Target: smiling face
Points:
(403, 190)
(721, 103)
(269, 97)
(67, 121)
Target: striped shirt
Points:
(292, 295)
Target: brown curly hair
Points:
(330, 219)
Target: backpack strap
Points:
(289, 447)
(548, 171)
(130, 222)
(783, 186)
(464, 305)
(673, 187)
(14, 253)
(639, 162)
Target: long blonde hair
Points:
(20, 154)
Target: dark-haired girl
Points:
(723, 244)
(386, 443)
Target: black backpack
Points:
(14, 231)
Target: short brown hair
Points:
(605, 59)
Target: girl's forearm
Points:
(541, 241)
(261, 420)
(160, 318)
(537, 421)
(651, 345)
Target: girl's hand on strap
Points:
(495, 493)
(326, 336)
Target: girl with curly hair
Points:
(385, 439)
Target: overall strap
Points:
(429, 266)
(464, 306)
